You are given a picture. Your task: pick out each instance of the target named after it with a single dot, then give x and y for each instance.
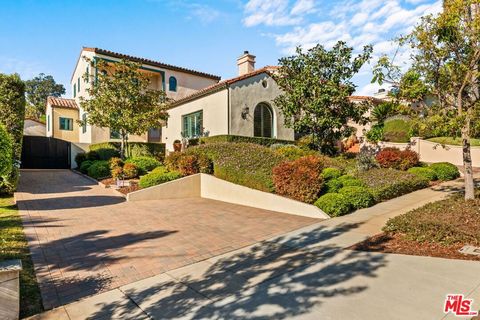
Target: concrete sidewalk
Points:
(305, 274)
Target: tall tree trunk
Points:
(123, 144)
(467, 162)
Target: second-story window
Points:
(87, 74)
(74, 90)
(78, 85)
(172, 84)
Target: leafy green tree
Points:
(37, 91)
(121, 100)
(6, 162)
(12, 114)
(446, 57)
(316, 86)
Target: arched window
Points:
(172, 84)
(263, 121)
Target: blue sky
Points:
(47, 36)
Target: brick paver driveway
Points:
(85, 239)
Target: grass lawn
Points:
(454, 141)
(397, 130)
(13, 245)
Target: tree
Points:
(446, 56)
(37, 91)
(121, 100)
(316, 86)
(12, 114)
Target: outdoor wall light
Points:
(245, 112)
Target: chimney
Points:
(246, 63)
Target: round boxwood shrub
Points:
(445, 171)
(350, 181)
(334, 204)
(144, 164)
(425, 173)
(332, 186)
(85, 165)
(79, 158)
(158, 177)
(331, 173)
(99, 169)
(107, 153)
(92, 155)
(359, 197)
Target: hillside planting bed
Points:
(437, 229)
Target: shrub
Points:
(106, 153)
(386, 184)
(139, 150)
(333, 204)
(359, 197)
(115, 163)
(397, 130)
(425, 173)
(79, 158)
(389, 158)
(375, 133)
(92, 155)
(189, 163)
(158, 177)
(300, 179)
(116, 172)
(242, 139)
(332, 186)
(445, 171)
(397, 159)
(306, 142)
(144, 164)
(409, 159)
(246, 164)
(12, 115)
(99, 169)
(135, 149)
(331, 173)
(447, 222)
(6, 152)
(292, 152)
(85, 165)
(366, 159)
(350, 181)
(171, 161)
(160, 169)
(130, 171)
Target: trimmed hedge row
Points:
(158, 176)
(238, 139)
(135, 149)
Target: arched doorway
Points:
(263, 121)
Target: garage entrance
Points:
(45, 153)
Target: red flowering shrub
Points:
(397, 159)
(130, 171)
(188, 164)
(300, 179)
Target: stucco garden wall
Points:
(249, 93)
(434, 152)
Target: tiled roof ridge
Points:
(62, 102)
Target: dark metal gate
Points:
(45, 153)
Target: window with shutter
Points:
(263, 121)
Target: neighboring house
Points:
(373, 101)
(33, 127)
(177, 82)
(238, 106)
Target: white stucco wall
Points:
(215, 117)
(34, 128)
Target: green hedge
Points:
(246, 164)
(445, 171)
(359, 197)
(385, 184)
(232, 138)
(135, 149)
(158, 176)
(6, 152)
(334, 204)
(425, 173)
(12, 115)
(397, 130)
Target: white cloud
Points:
(303, 6)
(26, 70)
(277, 12)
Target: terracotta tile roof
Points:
(366, 98)
(223, 84)
(62, 103)
(150, 62)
